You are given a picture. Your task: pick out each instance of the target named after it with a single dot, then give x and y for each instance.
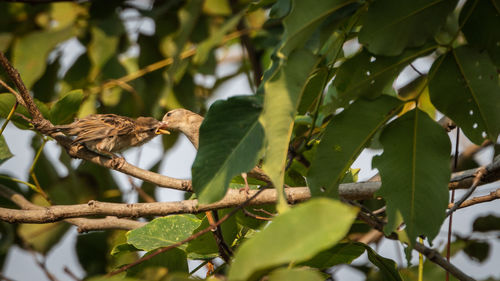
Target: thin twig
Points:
(494, 195)
(190, 238)
(247, 213)
(71, 274)
(19, 99)
(41, 264)
(9, 116)
(481, 171)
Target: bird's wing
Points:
(99, 126)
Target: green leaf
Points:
(387, 267)
(217, 7)
(173, 260)
(415, 171)
(162, 232)
(30, 61)
(477, 28)
(230, 140)
(104, 43)
(370, 76)
(342, 253)
(344, 138)
(313, 90)
(303, 19)
(283, 94)
(5, 153)
(295, 274)
(465, 87)
(92, 252)
(486, 223)
(42, 237)
(203, 50)
(391, 26)
(288, 238)
(66, 107)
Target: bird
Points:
(188, 123)
(184, 121)
(107, 134)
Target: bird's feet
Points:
(246, 189)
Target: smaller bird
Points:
(184, 121)
(110, 133)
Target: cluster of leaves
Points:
(327, 95)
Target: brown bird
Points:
(109, 133)
(188, 123)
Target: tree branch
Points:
(83, 224)
(431, 254)
(436, 258)
(233, 198)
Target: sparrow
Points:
(184, 121)
(188, 123)
(110, 133)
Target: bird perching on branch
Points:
(107, 134)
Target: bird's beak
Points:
(162, 129)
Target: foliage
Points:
(327, 93)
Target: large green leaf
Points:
(342, 253)
(390, 26)
(163, 232)
(30, 52)
(5, 153)
(66, 107)
(387, 267)
(294, 236)
(283, 94)
(303, 19)
(171, 261)
(295, 274)
(230, 140)
(464, 86)
(415, 171)
(478, 26)
(369, 76)
(344, 138)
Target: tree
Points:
(322, 76)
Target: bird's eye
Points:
(169, 114)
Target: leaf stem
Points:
(14, 107)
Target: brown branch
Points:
(84, 225)
(431, 254)
(494, 195)
(436, 258)
(479, 174)
(232, 199)
(192, 237)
